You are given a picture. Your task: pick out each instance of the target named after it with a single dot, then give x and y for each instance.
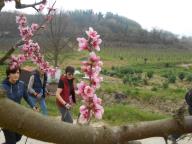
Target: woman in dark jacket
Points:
(16, 90)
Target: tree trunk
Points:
(34, 125)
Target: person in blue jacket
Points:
(15, 90)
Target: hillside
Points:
(115, 30)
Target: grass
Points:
(119, 114)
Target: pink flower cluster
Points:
(93, 41)
(30, 49)
(92, 67)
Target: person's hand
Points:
(36, 109)
(68, 106)
(39, 95)
(48, 94)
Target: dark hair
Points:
(70, 69)
(12, 70)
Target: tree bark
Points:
(1, 4)
(34, 125)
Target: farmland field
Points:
(139, 84)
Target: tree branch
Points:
(18, 4)
(2, 3)
(50, 130)
(21, 42)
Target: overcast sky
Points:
(171, 15)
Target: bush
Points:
(189, 77)
(165, 85)
(132, 79)
(167, 65)
(150, 74)
(112, 68)
(181, 75)
(154, 89)
(172, 78)
(145, 81)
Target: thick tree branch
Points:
(25, 121)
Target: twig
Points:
(18, 5)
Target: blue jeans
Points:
(41, 102)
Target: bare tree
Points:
(55, 35)
(25, 121)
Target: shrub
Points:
(172, 78)
(154, 89)
(181, 75)
(165, 85)
(167, 65)
(189, 77)
(150, 74)
(113, 68)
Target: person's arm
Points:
(58, 96)
(30, 86)
(26, 97)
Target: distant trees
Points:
(117, 31)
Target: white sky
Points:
(171, 15)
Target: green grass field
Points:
(164, 88)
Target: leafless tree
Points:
(56, 35)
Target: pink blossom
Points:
(26, 33)
(34, 27)
(13, 65)
(98, 111)
(41, 7)
(92, 34)
(89, 91)
(30, 49)
(21, 59)
(96, 100)
(85, 114)
(96, 81)
(80, 88)
(25, 48)
(95, 43)
(83, 44)
(93, 57)
(21, 20)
